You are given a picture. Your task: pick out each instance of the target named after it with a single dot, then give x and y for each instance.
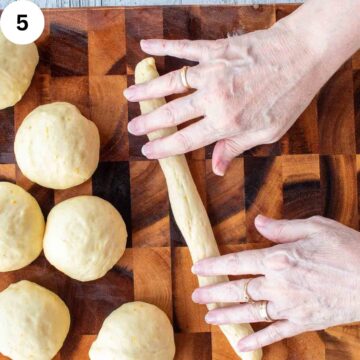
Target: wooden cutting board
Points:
(88, 58)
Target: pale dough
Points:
(57, 147)
(189, 211)
(84, 237)
(34, 322)
(21, 227)
(135, 331)
(17, 67)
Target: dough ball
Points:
(17, 67)
(57, 147)
(85, 236)
(135, 331)
(34, 322)
(21, 227)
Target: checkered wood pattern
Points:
(88, 58)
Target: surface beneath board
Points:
(84, 3)
(88, 58)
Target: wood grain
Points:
(188, 317)
(263, 191)
(107, 45)
(356, 81)
(336, 114)
(303, 136)
(342, 342)
(8, 172)
(7, 136)
(150, 205)
(193, 346)
(88, 58)
(106, 109)
(302, 196)
(226, 203)
(152, 277)
(339, 187)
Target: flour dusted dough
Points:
(84, 238)
(57, 147)
(189, 211)
(135, 331)
(17, 67)
(21, 227)
(34, 322)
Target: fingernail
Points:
(144, 43)
(218, 171)
(145, 150)
(210, 318)
(195, 296)
(132, 127)
(196, 268)
(129, 92)
(243, 347)
(261, 221)
(220, 167)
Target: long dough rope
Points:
(189, 212)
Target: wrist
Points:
(330, 34)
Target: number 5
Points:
(22, 23)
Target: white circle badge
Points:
(22, 22)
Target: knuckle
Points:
(206, 98)
(316, 219)
(273, 311)
(183, 141)
(222, 45)
(164, 44)
(224, 94)
(233, 147)
(183, 44)
(221, 66)
(280, 259)
(320, 220)
(296, 254)
(231, 123)
(254, 287)
(232, 263)
(273, 134)
(218, 49)
(208, 54)
(234, 290)
(233, 260)
(317, 223)
(173, 80)
(253, 312)
(274, 333)
(192, 104)
(281, 229)
(258, 343)
(304, 316)
(168, 115)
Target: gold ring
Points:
(184, 81)
(247, 297)
(262, 310)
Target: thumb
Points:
(283, 231)
(224, 152)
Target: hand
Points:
(311, 280)
(249, 90)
